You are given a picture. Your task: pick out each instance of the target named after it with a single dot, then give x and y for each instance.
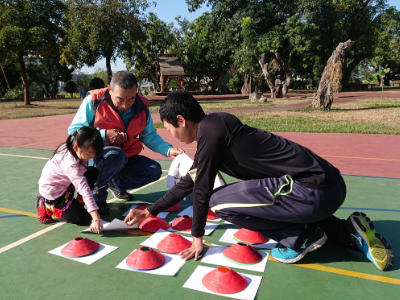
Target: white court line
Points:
(109, 201)
(135, 190)
(24, 156)
(30, 237)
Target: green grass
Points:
(214, 104)
(310, 124)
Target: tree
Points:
(157, 37)
(382, 74)
(205, 51)
(331, 77)
(96, 83)
(100, 73)
(70, 87)
(29, 27)
(276, 91)
(386, 53)
(245, 58)
(46, 73)
(104, 28)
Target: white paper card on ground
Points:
(158, 237)
(116, 224)
(249, 293)
(214, 256)
(89, 259)
(189, 211)
(162, 215)
(208, 229)
(172, 265)
(227, 237)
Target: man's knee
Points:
(112, 157)
(156, 170)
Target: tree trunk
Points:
(27, 100)
(246, 88)
(54, 88)
(158, 75)
(288, 72)
(276, 91)
(331, 77)
(109, 72)
(5, 77)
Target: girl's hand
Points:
(194, 250)
(96, 226)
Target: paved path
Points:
(356, 154)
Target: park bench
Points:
(60, 96)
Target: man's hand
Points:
(115, 137)
(194, 250)
(173, 152)
(136, 216)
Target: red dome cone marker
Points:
(142, 206)
(224, 280)
(80, 246)
(145, 258)
(173, 243)
(211, 215)
(242, 253)
(249, 237)
(183, 223)
(174, 207)
(152, 224)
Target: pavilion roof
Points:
(171, 66)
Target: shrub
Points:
(97, 83)
(70, 87)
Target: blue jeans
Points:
(126, 173)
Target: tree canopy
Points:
(29, 29)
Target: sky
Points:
(167, 11)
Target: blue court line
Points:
(12, 216)
(374, 209)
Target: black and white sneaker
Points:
(118, 195)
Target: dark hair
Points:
(85, 137)
(123, 79)
(180, 103)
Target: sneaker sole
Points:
(312, 247)
(379, 250)
(116, 196)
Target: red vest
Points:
(107, 118)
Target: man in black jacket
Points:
(287, 192)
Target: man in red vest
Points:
(123, 118)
